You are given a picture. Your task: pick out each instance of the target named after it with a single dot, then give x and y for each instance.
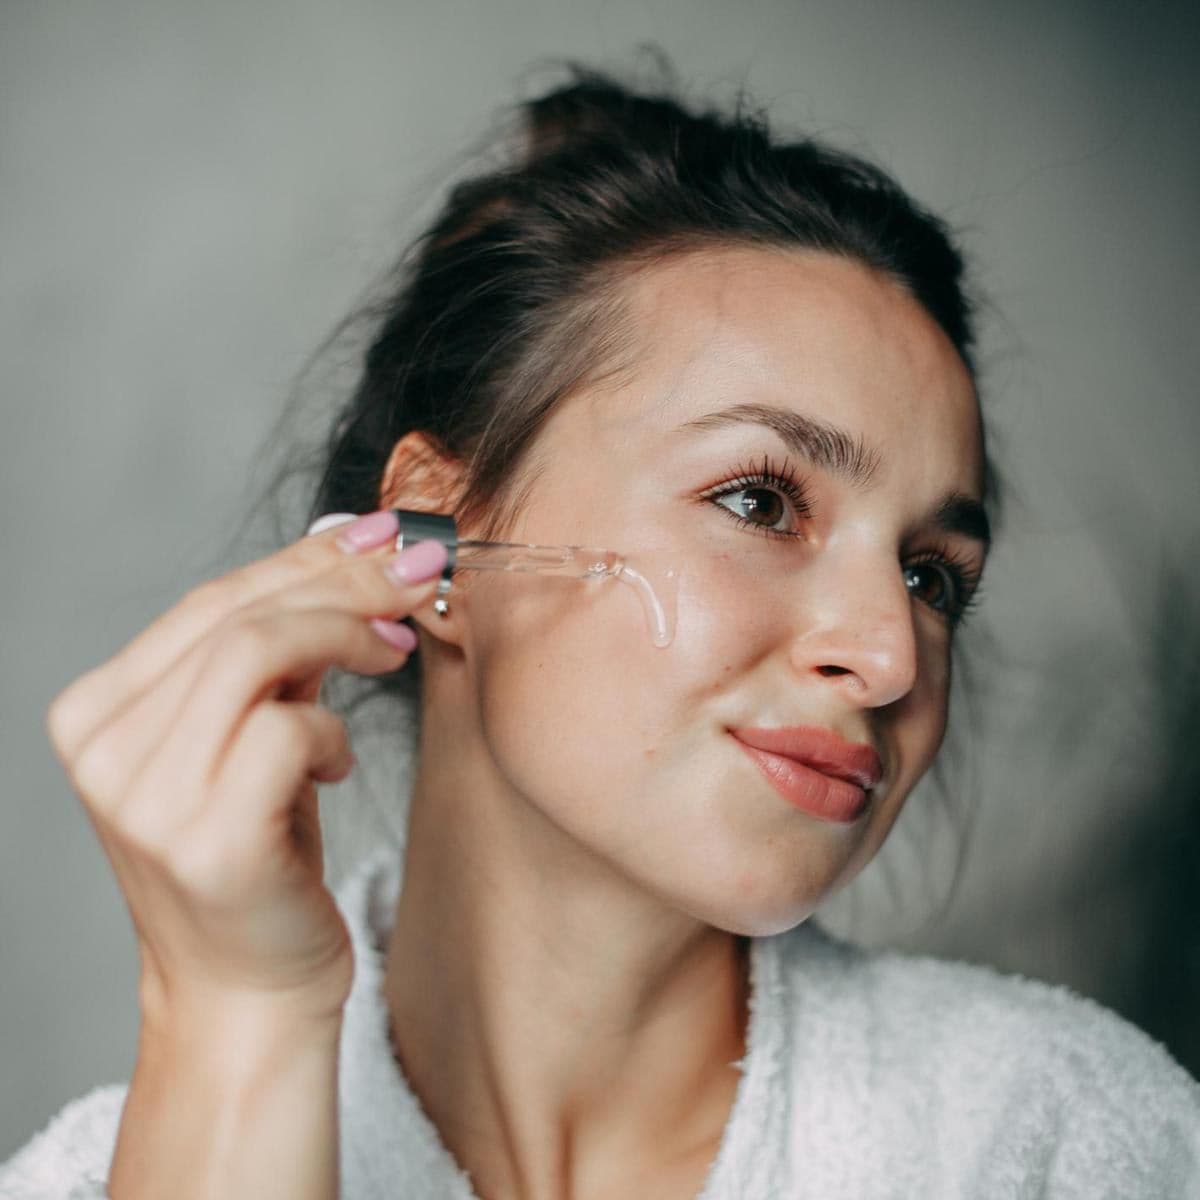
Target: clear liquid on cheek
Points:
(659, 600)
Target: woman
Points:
(747, 366)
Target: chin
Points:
(776, 889)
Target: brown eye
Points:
(932, 585)
(768, 500)
(761, 506)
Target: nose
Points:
(857, 632)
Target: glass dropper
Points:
(655, 585)
(579, 562)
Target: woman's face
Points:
(819, 577)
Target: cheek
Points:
(932, 696)
(575, 698)
(917, 724)
(567, 684)
(726, 620)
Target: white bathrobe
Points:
(866, 1076)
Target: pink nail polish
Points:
(375, 529)
(418, 563)
(401, 637)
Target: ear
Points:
(421, 476)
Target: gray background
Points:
(191, 195)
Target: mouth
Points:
(814, 769)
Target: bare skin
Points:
(584, 840)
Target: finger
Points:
(118, 748)
(108, 766)
(362, 587)
(254, 660)
(278, 747)
(98, 694)
(260, 815)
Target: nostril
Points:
(832, 670)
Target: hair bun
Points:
(594, 108)
(590, 111)
(578, 114)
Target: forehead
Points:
(819, 334)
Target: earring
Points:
(441, 605)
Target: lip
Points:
(814, 769)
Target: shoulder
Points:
(988, 1068)
(69, 1159)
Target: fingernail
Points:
(402, 637)
(417, 563)
(329, 521)
(375, 529)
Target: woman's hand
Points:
(196, 751)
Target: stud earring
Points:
(441, 605)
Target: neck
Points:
(565, 1030)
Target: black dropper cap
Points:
(423, 526)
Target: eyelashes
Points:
(944, 580)
(768, 477)
(959, 581)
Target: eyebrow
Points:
(845, 455)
